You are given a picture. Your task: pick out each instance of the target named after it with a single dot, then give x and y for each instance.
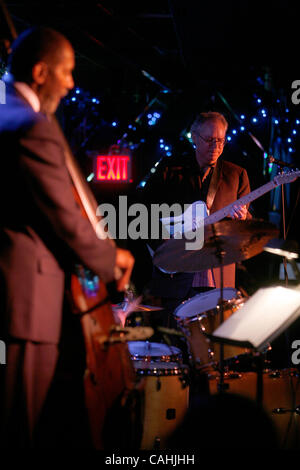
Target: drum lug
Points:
(211, 354)
(184, 381)
(276, 374)
(158, 384)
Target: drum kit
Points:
(226, 368)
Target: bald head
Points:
(32, 46)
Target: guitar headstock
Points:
(288, 177)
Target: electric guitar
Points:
(196, 215)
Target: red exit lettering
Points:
(112, 168)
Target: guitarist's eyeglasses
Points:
(211, 140)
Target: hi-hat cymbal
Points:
(140, 308)
(148, 308)
(238, 239)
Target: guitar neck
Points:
(222, 213)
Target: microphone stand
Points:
(220, 253)
(281, 164)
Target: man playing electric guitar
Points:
(216, 182)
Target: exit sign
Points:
(113, 168)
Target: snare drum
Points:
(201, 314)
(281, 395)
(166, 397)
(153, 352)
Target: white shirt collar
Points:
(29, 95)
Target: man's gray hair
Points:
(210, 116)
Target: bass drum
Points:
(201, 314)
(166, 399)
(280, 399)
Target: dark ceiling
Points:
(129, 53)
(180, 43)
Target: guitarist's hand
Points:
(238, 212)
(125, 262)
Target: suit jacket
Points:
(179, 183)
(42, 230)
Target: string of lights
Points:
(263, 114)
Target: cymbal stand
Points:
(220, 253)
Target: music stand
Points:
(267, 314)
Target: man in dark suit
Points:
(203, 177)
(42, 230)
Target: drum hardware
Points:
(280, 398)
(158, 384)
(280, 411)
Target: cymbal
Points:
(238, 239)
(148, 308)
(140, 307)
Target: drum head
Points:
(154, 351)
(202, 302)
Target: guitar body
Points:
(109, 380)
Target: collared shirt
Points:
(29, 95)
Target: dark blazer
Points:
(42, 231)
(179, 183)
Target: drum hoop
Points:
(175, 371)
(153, 359)
(205, 294)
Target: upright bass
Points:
(111, 393)
(109, 380)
